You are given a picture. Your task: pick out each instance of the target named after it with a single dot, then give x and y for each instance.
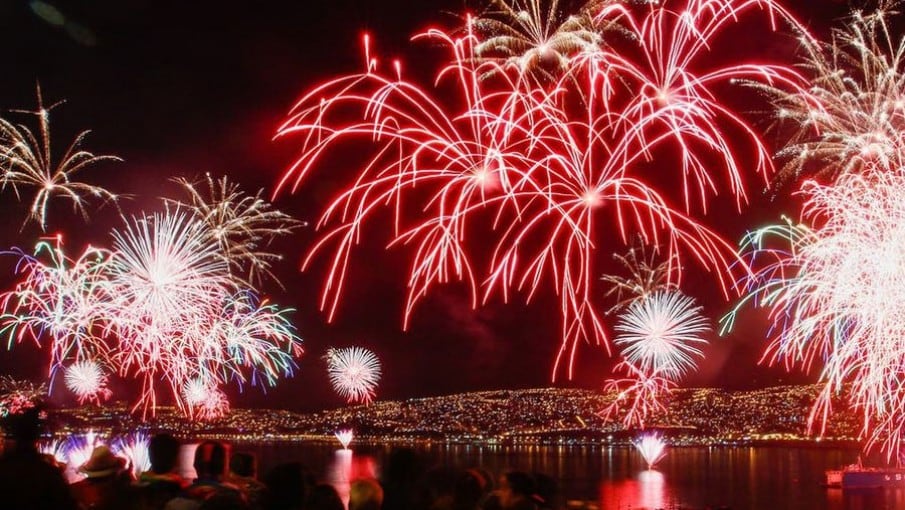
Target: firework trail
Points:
(354, 373)
(835, 295)
(660, 333)
(540, 167)
(26, 161)
(652, 448)
(243, 225)
(637, 396)
(87, 380)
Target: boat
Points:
(858, 476)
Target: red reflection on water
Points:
(347, 468)
(647, 491)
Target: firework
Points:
(214, 407)
(195, 391)
(637, 395)
(652, 449)
(660, 333)
(242, 225)
(354, 373)
(58, 297)
(834, 288)
(853, 115)
(345, 436)
(26, 161)
(87, 380)
(204, 400)
(536, 36)
(541, 167)
(162, 306)
(133, 448)
(646, 276)
(55, 448)
(17, 396)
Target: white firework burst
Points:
(354, 373)
(660, 333)
(87, 380)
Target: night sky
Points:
(182, 88)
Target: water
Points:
(740, 478)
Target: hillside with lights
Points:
(533, 416)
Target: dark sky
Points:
(180, 88)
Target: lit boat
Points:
(856, 476)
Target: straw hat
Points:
(102, 463)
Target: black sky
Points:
(179, 88)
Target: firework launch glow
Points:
(652, 449)
(345, 436)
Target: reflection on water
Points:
(339, 475)
(616, 478)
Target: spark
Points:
(852, 115)
(646, 276)
(536, 37)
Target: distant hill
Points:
(699, 415)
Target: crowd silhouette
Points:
(228, 480)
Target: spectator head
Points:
(102, 463)
(225, 500)
(210, 460)
(287, 486)
(469, 490)
(163, 451)
(515, 487)
(324, 497)
(24, 427)
(365, 494)
(546, 491)
(243, 464)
